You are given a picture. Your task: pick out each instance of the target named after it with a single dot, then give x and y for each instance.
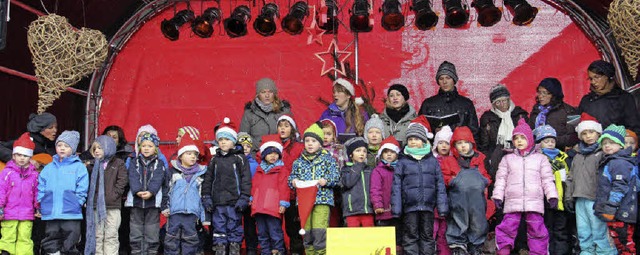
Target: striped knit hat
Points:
(615, 133)
(194, 132)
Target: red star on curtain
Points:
(335, 55)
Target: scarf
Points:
(397, 115)
(392, 164)
(541, 119)
(465, 161)
(551, 153)
(585, 149)
(266, 167)
(188, 173)
(418, 153)
(264, 107)
(97, 177)
(506, 124)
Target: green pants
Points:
(16, 237)
(315, 240)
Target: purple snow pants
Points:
(537, 235)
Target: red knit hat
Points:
(306, 192)
(24, 145)
(389, 143)
(187, 144)
(588, 122)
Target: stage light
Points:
(265, 24)
(171, 28)
(456, 15)
(236, 24)
(203, 25)
(359, 21)
(328, 20)
(392, 18)
(488, 13)
(523, 13)
(425, 18)
(292, 23)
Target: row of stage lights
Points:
(456, 15)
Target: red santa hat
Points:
(289, 119)
(356, 91)
(389, 143)
(588, 122)
(24, 145)
(271, 141)
(187, 144)
(306, 192)
(227, 130)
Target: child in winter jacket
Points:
(270, 196)
(106, 187)
(316, 164)
(418, 187)
(331, 144)
(441, 151)
(373, 135)
(466, 179)
(18, 198)
(523, 180)
(556, 220)
(380, 190)
(355, 182)
(181, 203)
(226, 190)
(62, 190)
(631, 141)
(248, 222)
(617, 194)
(146, 181)
(582, 183)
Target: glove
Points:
(569, 206)
(207, 203)
(498, 203)
(240, 205)
(553, 203)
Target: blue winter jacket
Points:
(617, 192)
(418, 185)
(182, 196)
(62, 189)
(253, 164)
(146, 175)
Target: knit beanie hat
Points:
(71, 138)
(553, 86)
(615, 133)
(400, 88)
(270, 143)
(194, 132)
(523, 129)
(447, 68)
(150, 137)
(603, 67)
(148, 129)
(390, 143)
(187, 144)
(38, 122)
(244, 138)
(444, 134)
(588, 122)
(632, 135)
(314, 131)
(373, 122)
(419, 127)
(227, 130)
(498, 91)
(24, 145)
(544, 131)
(354, 91)
(266, 83)
(354, 143)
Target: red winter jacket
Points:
(268, 189)
(451, 167)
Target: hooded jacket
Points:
(523, 181)
(418, 185)
(355, 182)
(617, 193)
(445, 103)
(62, 189)
(115, 176)
(183, 196)
(380, 190)
(451, 166)
(307, 168)
(18, 191)
(257, 122)
(269, 190)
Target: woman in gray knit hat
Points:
(261, 114)
(43, 129)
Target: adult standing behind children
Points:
(42, 129)
(397, 113)
(550, 109)
(449, 101)
(345, 111)
(261, 114)
(607, 102)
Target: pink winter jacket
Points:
(18, 192)
(522, 182)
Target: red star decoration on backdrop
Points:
(334, 53)
(315, 32)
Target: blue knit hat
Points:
(150, 137)
(71, 138)
(544, 131)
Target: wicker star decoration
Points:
(337, 58)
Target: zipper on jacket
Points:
(235, 172)
(350, 207)
(364, 190)
(524, 190)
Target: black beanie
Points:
(602, 67)
(400, 88)
(553, 86)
